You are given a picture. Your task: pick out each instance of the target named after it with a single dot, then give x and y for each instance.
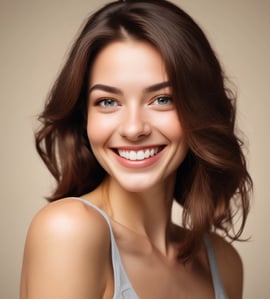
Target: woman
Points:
(139, 116)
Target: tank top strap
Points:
(217, 282)
(122, 286)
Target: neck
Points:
(147, 213)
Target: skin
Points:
(67, 251)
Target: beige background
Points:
(34, 38)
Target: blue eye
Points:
(107, 103)
(163, 100)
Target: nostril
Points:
(135, 131)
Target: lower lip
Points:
(138, 163)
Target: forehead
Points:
(128, 61)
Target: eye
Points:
(163, 100)
(107, 103)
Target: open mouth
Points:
(139, 155)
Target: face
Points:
(133, 126)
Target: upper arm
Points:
(66, 253)
(230, 267)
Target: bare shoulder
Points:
(64, 238)
(71, 221)
(68, 216)
(230, 266)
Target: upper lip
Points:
(137, 148)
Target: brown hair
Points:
(213, 179)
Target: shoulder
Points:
(230, 266)
(68, 219)
(66, 236)
(68, 214)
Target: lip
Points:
(157, 151)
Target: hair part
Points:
(213, 179)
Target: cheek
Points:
(95, 130)
(99, 128)
(171, 127)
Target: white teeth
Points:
(132, 155)
(138, 155)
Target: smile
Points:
(140, 154)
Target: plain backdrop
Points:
(35, 36)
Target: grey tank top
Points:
(122, 286)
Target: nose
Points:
(134, 125)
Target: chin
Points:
(135, 187)
(138, 185)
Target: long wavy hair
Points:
(213, 182)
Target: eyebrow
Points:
(158, 86)
(118, 91)
(106, 88)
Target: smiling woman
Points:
(127, 126)
(140, 116)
